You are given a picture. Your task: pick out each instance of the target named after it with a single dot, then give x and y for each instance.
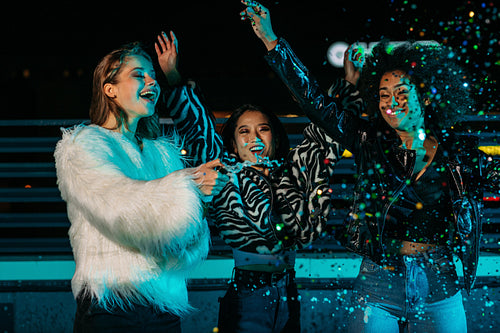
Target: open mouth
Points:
(393, 113)
(149, 95)
(258, 149)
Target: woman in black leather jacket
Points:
(418, 192)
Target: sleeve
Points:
(160, 218)
(195, 124)
(303, 191)
(481, 173)
(338, 112)
(242, 215)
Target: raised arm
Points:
(193, 121)
(260, 18)
(337, 114)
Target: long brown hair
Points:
(102, 106)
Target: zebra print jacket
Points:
(254, 213)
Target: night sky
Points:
(49, 52)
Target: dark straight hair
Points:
(281, 145)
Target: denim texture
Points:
(418, 293)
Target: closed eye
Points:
(138, 75)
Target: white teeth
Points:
(393, 112)
(256, 148)
(148, 94)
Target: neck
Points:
(412, 139)
(128, 131)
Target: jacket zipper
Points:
(398, 192)
(458, 185)
(268, 183)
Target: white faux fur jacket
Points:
(137, 224)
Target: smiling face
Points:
(253, 137)
(135, 90)
(398, 102)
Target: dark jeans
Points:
(265, 307)
(93, 318)
(413, 294)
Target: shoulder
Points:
(84, 141)
(86, 135)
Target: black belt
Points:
(256, 279)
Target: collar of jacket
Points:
(381, 151)
(275, 171)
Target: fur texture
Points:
(137, 224)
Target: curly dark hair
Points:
(434, 71)
(280, 137)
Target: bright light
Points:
(335, 52)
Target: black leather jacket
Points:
(383, 168)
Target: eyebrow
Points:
(144, 69)
(395, 87)
(137, 68)
(267, 124)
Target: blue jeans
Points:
(264, 308)
(418, 293)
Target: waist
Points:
(433, 253)
(255, 279)
(264, 262)
(412, 248)
(419, 229)
(400, 247)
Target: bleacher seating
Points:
(33, 219)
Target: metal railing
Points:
(33, 218)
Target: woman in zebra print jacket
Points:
(276, 202)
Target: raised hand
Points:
(353, 63)
(166, 50)
(260, 18)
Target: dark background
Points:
(48, 52)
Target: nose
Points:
(149, 80)
(394, 102)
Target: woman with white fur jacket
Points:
(137, 215)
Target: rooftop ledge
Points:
(307, 266)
